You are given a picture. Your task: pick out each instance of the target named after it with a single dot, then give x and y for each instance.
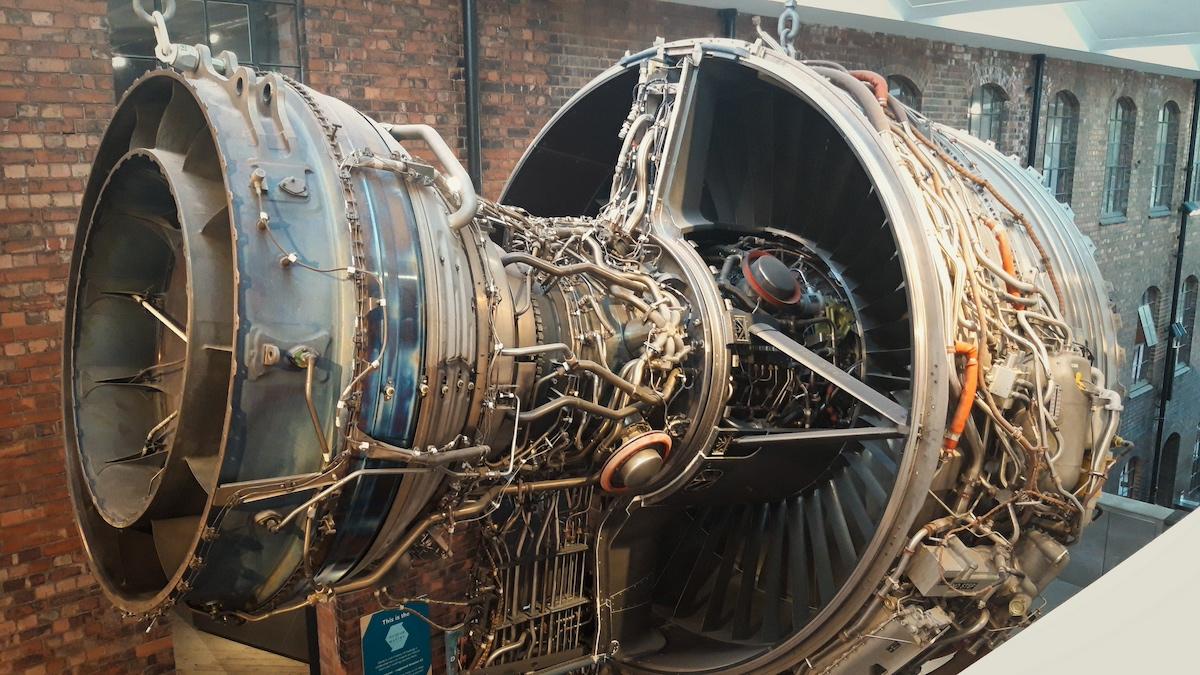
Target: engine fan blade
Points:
(742, 617)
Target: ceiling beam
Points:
(887, 16)
(1134, 41)
(933, 10)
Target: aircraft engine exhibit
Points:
(752, 368)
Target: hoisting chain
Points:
(183, 57)
(788, 27)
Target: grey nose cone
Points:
(639, 469)
(774, 277)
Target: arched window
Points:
(1058, 157)
(1119, 159)
(1168, 467)
(1127, 484)
(1187, 316)
(1166, 148)
(985, 115)
(1147, 336)
(905, 91)
(1194, 191)
(1194, 484)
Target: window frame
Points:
(1166, 154)
(1127, 480)
(1193, 191)
(1188, 297)
(1194, 483)
(299, 68)
(991, 101)
(1118, 161)
(902, 87)
(1060, 145)
(1145, 341)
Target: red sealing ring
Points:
(763, 293)
(623, 453)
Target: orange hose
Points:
(966, 399)
(1007, 261)
(877, 82)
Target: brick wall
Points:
(55, 99)
(395, 61)
(536, 55)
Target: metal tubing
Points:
(468, 200)
(837, 377)
(470, 510)
(570, 362)
(310, 368)
(429, 458)
(332, 488)
(608, 275)
(1168, 377)
(861, 94)
(511, 647)
(163, 318)
(581, 404)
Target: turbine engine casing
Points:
(743, 367)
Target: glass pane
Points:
(187, 26)
(126, 70)
(293, 73)
(229, 28)
(274, 32)
(129, 34)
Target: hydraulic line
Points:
(966, 400)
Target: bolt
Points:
(268, 519)
(1019, 605)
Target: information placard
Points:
(397, 642)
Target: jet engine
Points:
(751, 369)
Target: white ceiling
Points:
(1161, 36)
